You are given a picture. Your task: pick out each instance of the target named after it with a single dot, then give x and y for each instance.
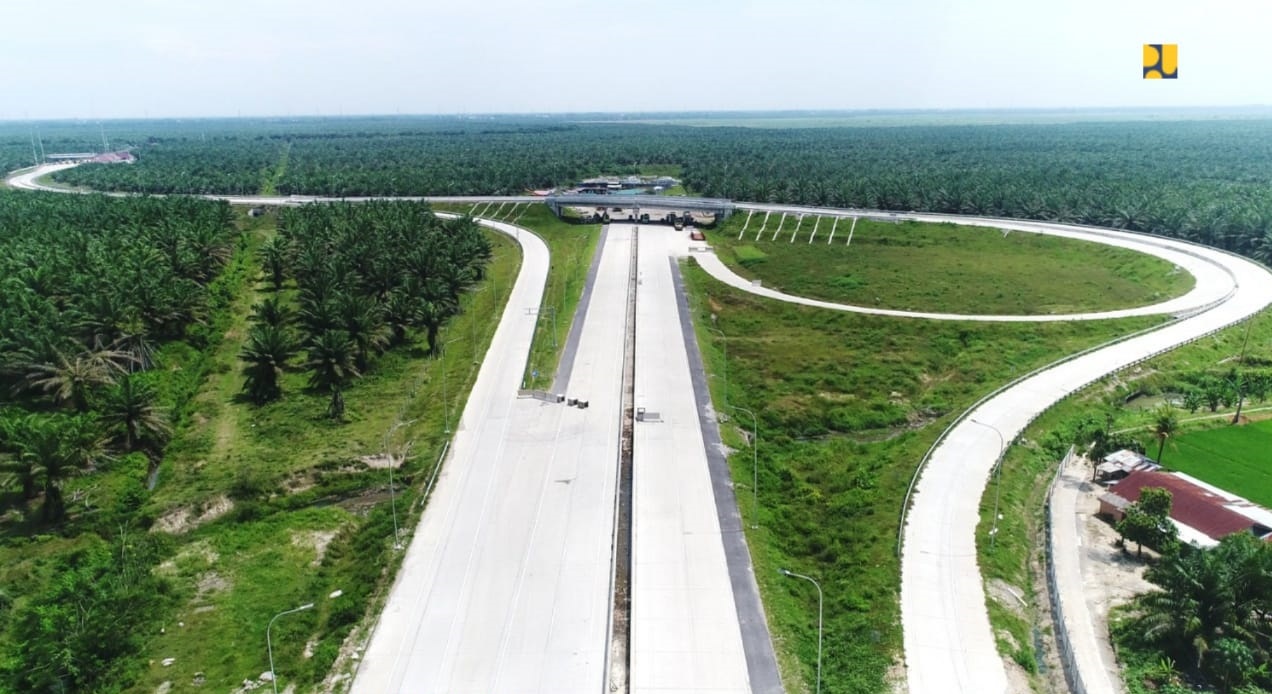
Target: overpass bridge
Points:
(636, 205)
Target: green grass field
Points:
(1233, 458)
(942, 267)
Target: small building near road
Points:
(1203, 513)
(1120, 464)
(121, 157)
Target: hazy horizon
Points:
(298, 58)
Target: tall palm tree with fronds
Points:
(274, 257)
(131, 411)
(19, 466)
(53, 448)
(70, 380)
(363, 319)
(1165, 424)
(272, 312)
(265, 356)
(332, 365)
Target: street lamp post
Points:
(998, 477)
(813, 581)
(755, 465)
(269, 644)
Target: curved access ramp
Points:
(948, 640)
(1214, 281)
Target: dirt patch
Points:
(316, 540)
(1017, 678)
(380, 461)
(214, 510)
(182, 520)
(1006, 595)
(339, 677)
(1111, 576)
(895, 677)
(173, 522)
(210, 582)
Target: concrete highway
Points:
(506, 583)
(505, 586)
(685, 625)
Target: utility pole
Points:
(1240, 384)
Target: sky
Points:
(90, 59)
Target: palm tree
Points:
(272, 312)
(401, 310)
(433, 312)
(81, 447)
(274, 257)
(71, 380)
(131, 410)
(363, 319)
(1208, 595)
(1165, 423)
(331, 361)
(19, 467)
(50, 450)
(265, 356)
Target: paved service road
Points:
(685, 633)
(506, 584)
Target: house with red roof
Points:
(1203, 513)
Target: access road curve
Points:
(949, 643)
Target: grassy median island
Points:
(847, 405)
(917, 266)
(256, 508)
(1204, 445)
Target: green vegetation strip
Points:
(918, 266)
(847, 405)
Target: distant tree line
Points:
(1202, 181)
